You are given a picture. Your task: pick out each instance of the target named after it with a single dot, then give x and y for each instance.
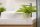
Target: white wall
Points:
(13, 5)
(3, 3)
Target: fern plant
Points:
(27, 10)
(2, 10)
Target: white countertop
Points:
(17, 20)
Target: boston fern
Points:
(2, 9)
(27, 9)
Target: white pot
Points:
(27, 16)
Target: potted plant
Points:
(27, 10)
(2, 10)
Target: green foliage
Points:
(2, 9)
(27, 9)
